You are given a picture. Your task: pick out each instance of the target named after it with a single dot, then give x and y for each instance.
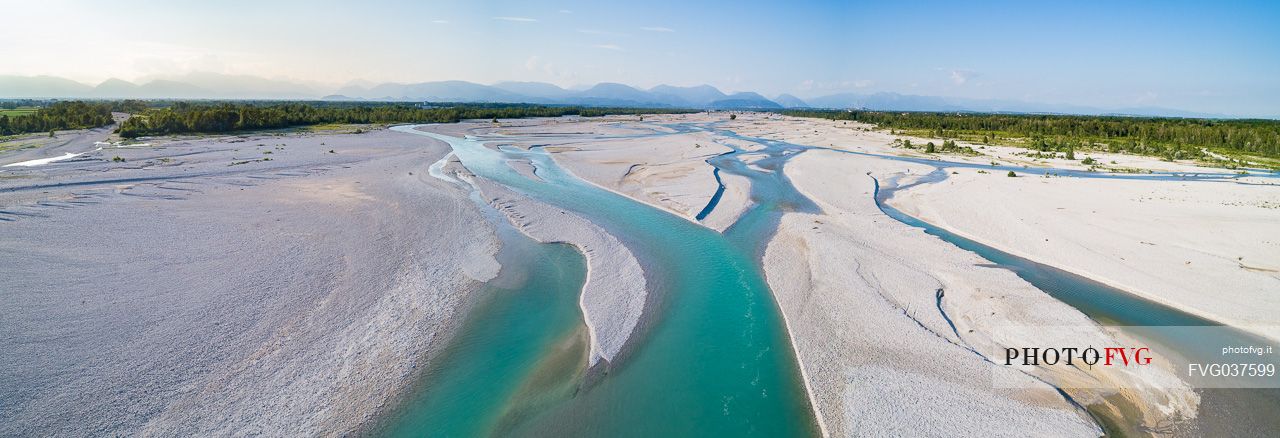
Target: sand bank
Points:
(735, 201)
(613, 297)
(848, 277)
(861, 137)
(669, 172)
(203, 290)
(653, 165)
(1208, 248)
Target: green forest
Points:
(1170, 138)
(186, 117)
(170, 117)
(58, 116)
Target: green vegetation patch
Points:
(221, 117)
(15, 112)
(1224, 143)
(55, 117)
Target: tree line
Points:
(59, 116)
(1173, 138)
(186, 117)
(161, 117)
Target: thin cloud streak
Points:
(657, 29)
(516, 19)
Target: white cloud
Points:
(517, 19)
(607, 46)
(565, 11)
(657, 29)
(440, 21)
(960, 77)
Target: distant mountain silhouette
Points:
(540, 90)
(42, 86)
(698, 96)
(444, 91)
(237, 86)
(745, 100)
(906, 102)
(220, 86)
(116, 88)
(789, 101)
(613, 94)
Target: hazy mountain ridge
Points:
(906, 102)
(789, 101)
(745, 100)
(220, 86)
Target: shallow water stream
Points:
(1223, 411)
(714, 358)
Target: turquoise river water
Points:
(713, 358)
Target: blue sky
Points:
(1221, 57)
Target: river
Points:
(714, 358)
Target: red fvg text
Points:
(1107, 356)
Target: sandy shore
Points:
(846, 277)
(669, 172)
(1208, 248)
(197, 288)
(277, 284)
(843, 276)
(1201, 247)
(613, 297)
(861, 137)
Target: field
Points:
(14, 112)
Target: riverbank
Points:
(613, 298)
(807, 271)
(848, 275)
(262, 283)
(713, 310)
(646, 160)
(302, 272)
(1207, 248)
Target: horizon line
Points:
(312, 93)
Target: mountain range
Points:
(220, 86)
